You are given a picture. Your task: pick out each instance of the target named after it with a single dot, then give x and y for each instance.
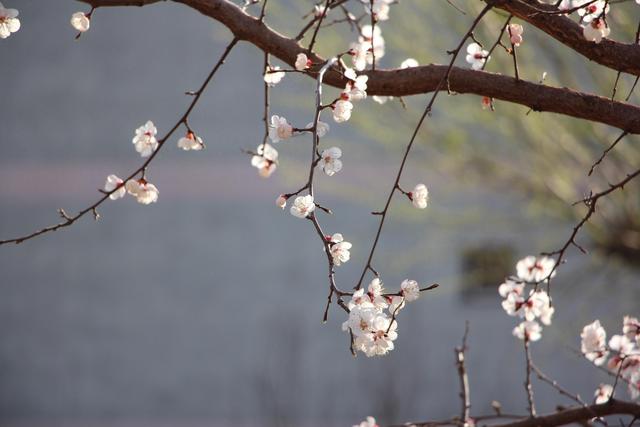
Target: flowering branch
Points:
(427, 111)
(424, 79)
(183, 120)
(557, 419)
(590, 201)
(615, 55)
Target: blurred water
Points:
(205, 308)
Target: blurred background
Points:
(205, 308)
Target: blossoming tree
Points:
(372, 309)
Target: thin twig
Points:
(69, 220)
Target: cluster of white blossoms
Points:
(9, 22)
(370, 43)
(536, 305)
(592, 16)
(379, 8)
(144, 192)
(146, 144)
(622, 352)
(372, 316)
(354, 90)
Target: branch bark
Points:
(560, 418)
(574, 415)
(618, 56)
(424, 79)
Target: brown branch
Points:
(424, 79)
(615, 55)
(560, 418)
(614, 407)
(396, 185)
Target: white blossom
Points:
(592, 10)
(410, 290)
(631, 326)
(603, 393)
(512, 303)
(360, 299)
(302, 206)
(595, 30)
(374, 40)
(380, 8)
(534, 270)
(529, 330)
(342, 111)
(272, 76)
(359, 52)
(378, 341)
(143, 191)
(191, 142)
(625, 355)
(339, 249)
(369, 43)
(476, 56)
(330, 161)
(356, 88)
(515, 34)
(279, 129)
(537, 305)
(321, 129)
(117, 184)
(145, 139)
(622, 345)
(369, 422)
(419, 196)
(302, 62)
(281, 201)
(9, 22)
(266, 160)
(593, 344)
(375, 292)
(80, 21)
(510, 286)
(409, 63)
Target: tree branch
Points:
(614, 407)
(424, 79)
(615, 55)
(560, 418)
